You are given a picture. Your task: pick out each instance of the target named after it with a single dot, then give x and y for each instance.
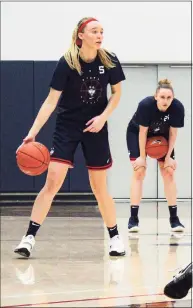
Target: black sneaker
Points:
(181, 283)
(176, 225)
(133, 224)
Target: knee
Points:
(140, 173)
(52, 185)
(168, 173)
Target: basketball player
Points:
(159, 115)
(181, 283)
(79, 83)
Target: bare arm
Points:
(142, 140)
(45, 111)
(113, 101)
(172, 140)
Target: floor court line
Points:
(68, 292)
(51, 293)
(82, 300)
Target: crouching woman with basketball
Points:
(159, 115)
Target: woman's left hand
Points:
(95, 124)
(170, 162)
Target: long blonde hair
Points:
(72, 55)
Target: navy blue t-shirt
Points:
(84, 96)
(158, 122)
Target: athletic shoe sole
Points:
(116, 254)
(134, 229)
(178, 229)
(22, 252)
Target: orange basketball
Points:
(156, 147)
(33, 158)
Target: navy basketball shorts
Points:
(133, 146)
(95, 146)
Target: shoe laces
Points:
(115, 238)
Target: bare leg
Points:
(135, 198)
(98, 182)
(169, 184)
(136, 186)
(55, 178)
(171, 196)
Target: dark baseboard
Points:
(23, 199)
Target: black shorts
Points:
(133, 146)
(95, 146)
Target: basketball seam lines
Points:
(156, 146)
(31, 167)
(33, 158)
(39, 150)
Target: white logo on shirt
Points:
(166, 118)
(91, 91)
(156, 142)
(101, 70)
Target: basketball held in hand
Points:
(33, 158)
(156, 147)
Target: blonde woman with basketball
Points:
(79, 88)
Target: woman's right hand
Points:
(139, 162)
(27, 139)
